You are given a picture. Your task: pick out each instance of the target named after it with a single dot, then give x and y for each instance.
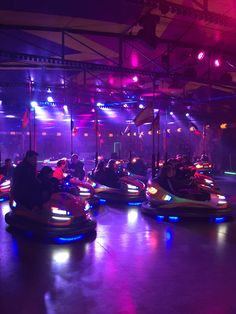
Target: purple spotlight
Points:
(135, 79)
(187, 114)
(50, 99)
(171, 113)
(141, 106)
(217, 63)
(201, 55)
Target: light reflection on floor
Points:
(135, 265)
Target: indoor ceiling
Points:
(87, 51)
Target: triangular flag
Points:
(145, 116)
(26, 118)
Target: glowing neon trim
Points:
(132, 187)
(160, 218)
(6, 183)
(221, 202)
(58, 211)
(4, 188)
(220, 219)
(167, 197)
(83, 189)
(102, 201)
(221, 197)
(69, 239)
(61, 218)
(230, 172)
(84, 194)
(208, 181)
(87, 207)
(173, 218)
(133, 191)
(134, 203)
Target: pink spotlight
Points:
(217, 63)
(135, 79)
(201, 55)
(134, 60)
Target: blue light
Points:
(219, 219)
(102, 201)
(69, 239)
(134, 203)
(2, 199)
(67, 183)
(160, 218)
(173, 218)
(168, 235)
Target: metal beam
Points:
(67, 64)
(56, 63)
(117, 35)
(196, 14)
(58, 29)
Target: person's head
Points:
(61, 164)
(111, 164)
(8, 163)
(46, 172)
(31, 157)
(74, 158)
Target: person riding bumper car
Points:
(162, 202)
(64, 215)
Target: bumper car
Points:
(84, 190)
(163, 203)
(64, 215)
(206, 182)
(203, 167)
(5, 187)
(129, 190)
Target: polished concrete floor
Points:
(134, 265)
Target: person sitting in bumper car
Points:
(25, 184)
(111, 178)
(179, 187)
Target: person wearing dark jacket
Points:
(25, 185)
(76, 167)
(8, 169)
(99, 172)
(48, 184)
(111, 177)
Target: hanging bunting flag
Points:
(26, 119)
(145, 116)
